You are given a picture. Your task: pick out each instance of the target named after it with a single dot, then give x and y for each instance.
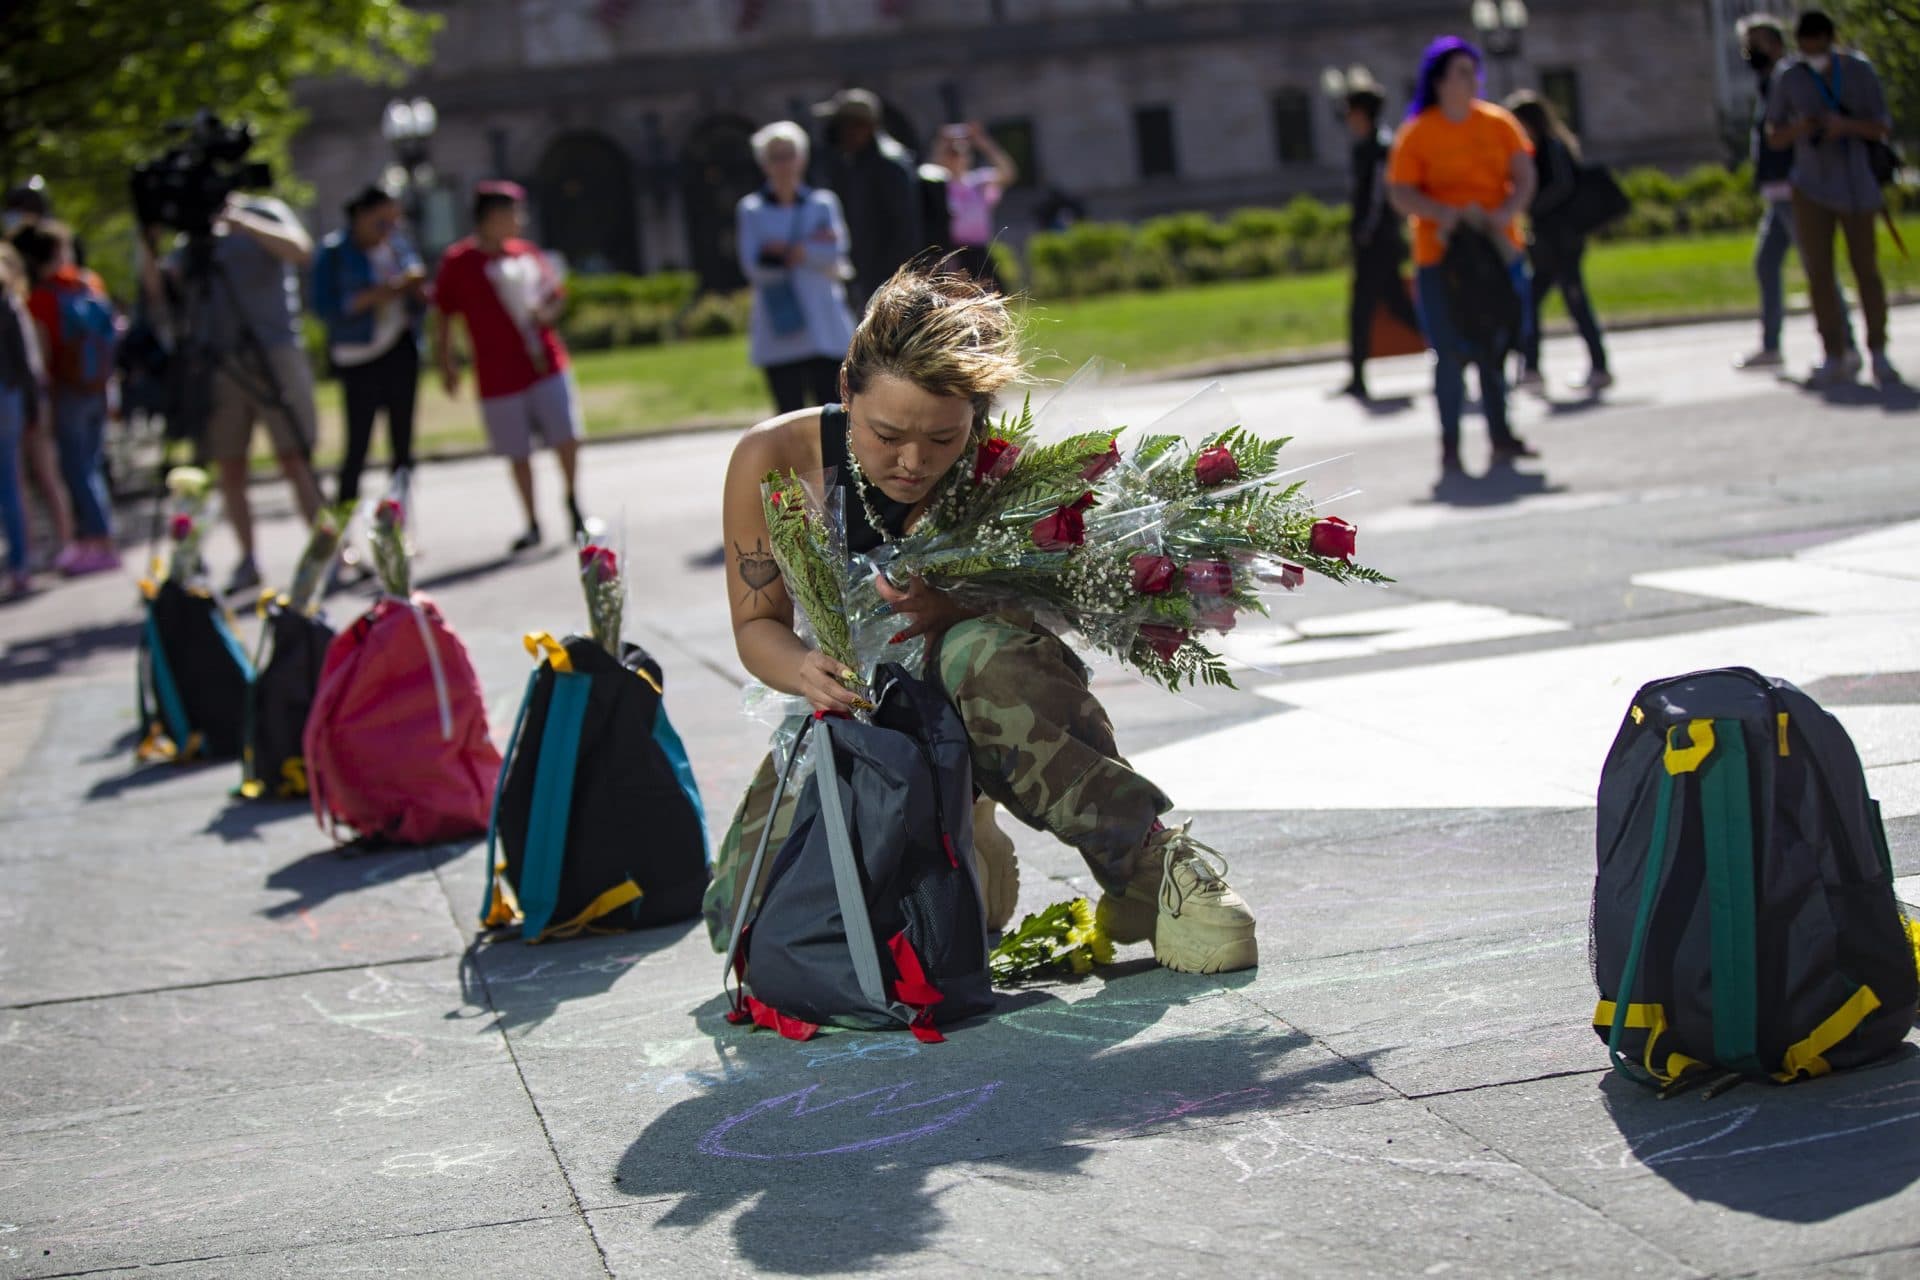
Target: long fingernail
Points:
(898, 637)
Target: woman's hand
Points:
(927, 610)
(821, 685)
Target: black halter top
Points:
(862, 537)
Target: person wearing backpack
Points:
(1829, 106)
(1558, 246)
(369, 288)
(1462, 170)
(919, 381)
(79, 333)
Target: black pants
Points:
(792, 383)
(1556, 265)
(1376, 282)
(390, 382)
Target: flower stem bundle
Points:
(808, 541)
(392, 559)
(1064, 937)
(606, 595)
(323, 547)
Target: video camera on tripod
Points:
(186, 187)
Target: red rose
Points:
(994, 459)
(1216, 466)
(389, 514)
(1210, 578)
(1292, 575)
(1102, 463)
(1065, 528)
(1163, 639)
(1332, 538)
(1155, 575)
(598, 564)
(181, 526)
(1217, 615)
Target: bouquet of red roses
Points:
(1138, 552)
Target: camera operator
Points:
(248, 326)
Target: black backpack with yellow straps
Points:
(1744, 921)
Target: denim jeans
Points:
(13, 506)
(1451, 354)
(80, 433)
(1769, 257)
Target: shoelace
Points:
(1209, 867)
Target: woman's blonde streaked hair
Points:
(944, 333)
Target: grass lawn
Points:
(687, 383)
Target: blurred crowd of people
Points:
(1501, 202)
(824, 231)
(218, 326)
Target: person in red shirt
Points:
(78, 332)
(505, 290)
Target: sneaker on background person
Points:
(1885, 376)
(1842, 370)
(1765, 360)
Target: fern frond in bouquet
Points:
(807, 537)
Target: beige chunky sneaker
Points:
(1179, 897)
(995, 866)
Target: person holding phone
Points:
(793, 246)
(370, 289)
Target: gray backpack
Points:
(870, 916)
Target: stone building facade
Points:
(628, 119)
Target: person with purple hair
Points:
(1461, 165)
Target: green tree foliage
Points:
(87, 87)
(1887, 31)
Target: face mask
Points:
(1760, 62)
(1820, 62)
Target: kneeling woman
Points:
(916, 389)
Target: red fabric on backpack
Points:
(381, 758)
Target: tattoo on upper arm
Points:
(758, 570)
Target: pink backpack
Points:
(396, 745)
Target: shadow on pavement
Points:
(37, 656)
(1386, 406)
(855, 1132)
(318, 878)
(1899, 398)
(524, 986)
(487, 568)
(152, 774)
(1807, 1152)
(1499, 485)
(242, 819)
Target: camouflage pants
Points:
(1042, 748)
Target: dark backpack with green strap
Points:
(1744, 921)
(597, 818)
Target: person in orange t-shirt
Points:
(1460, 161)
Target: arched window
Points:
(716, 169)
(583, 203)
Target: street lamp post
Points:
(1502, 26)
(1337, 82)
(408, 128)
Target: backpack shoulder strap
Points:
(846, 882)
(745, 904)
(546, 851)
(495, 908)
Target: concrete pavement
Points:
(227, 1050)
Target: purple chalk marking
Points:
(966, 1101)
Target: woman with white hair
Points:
(792, 240)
